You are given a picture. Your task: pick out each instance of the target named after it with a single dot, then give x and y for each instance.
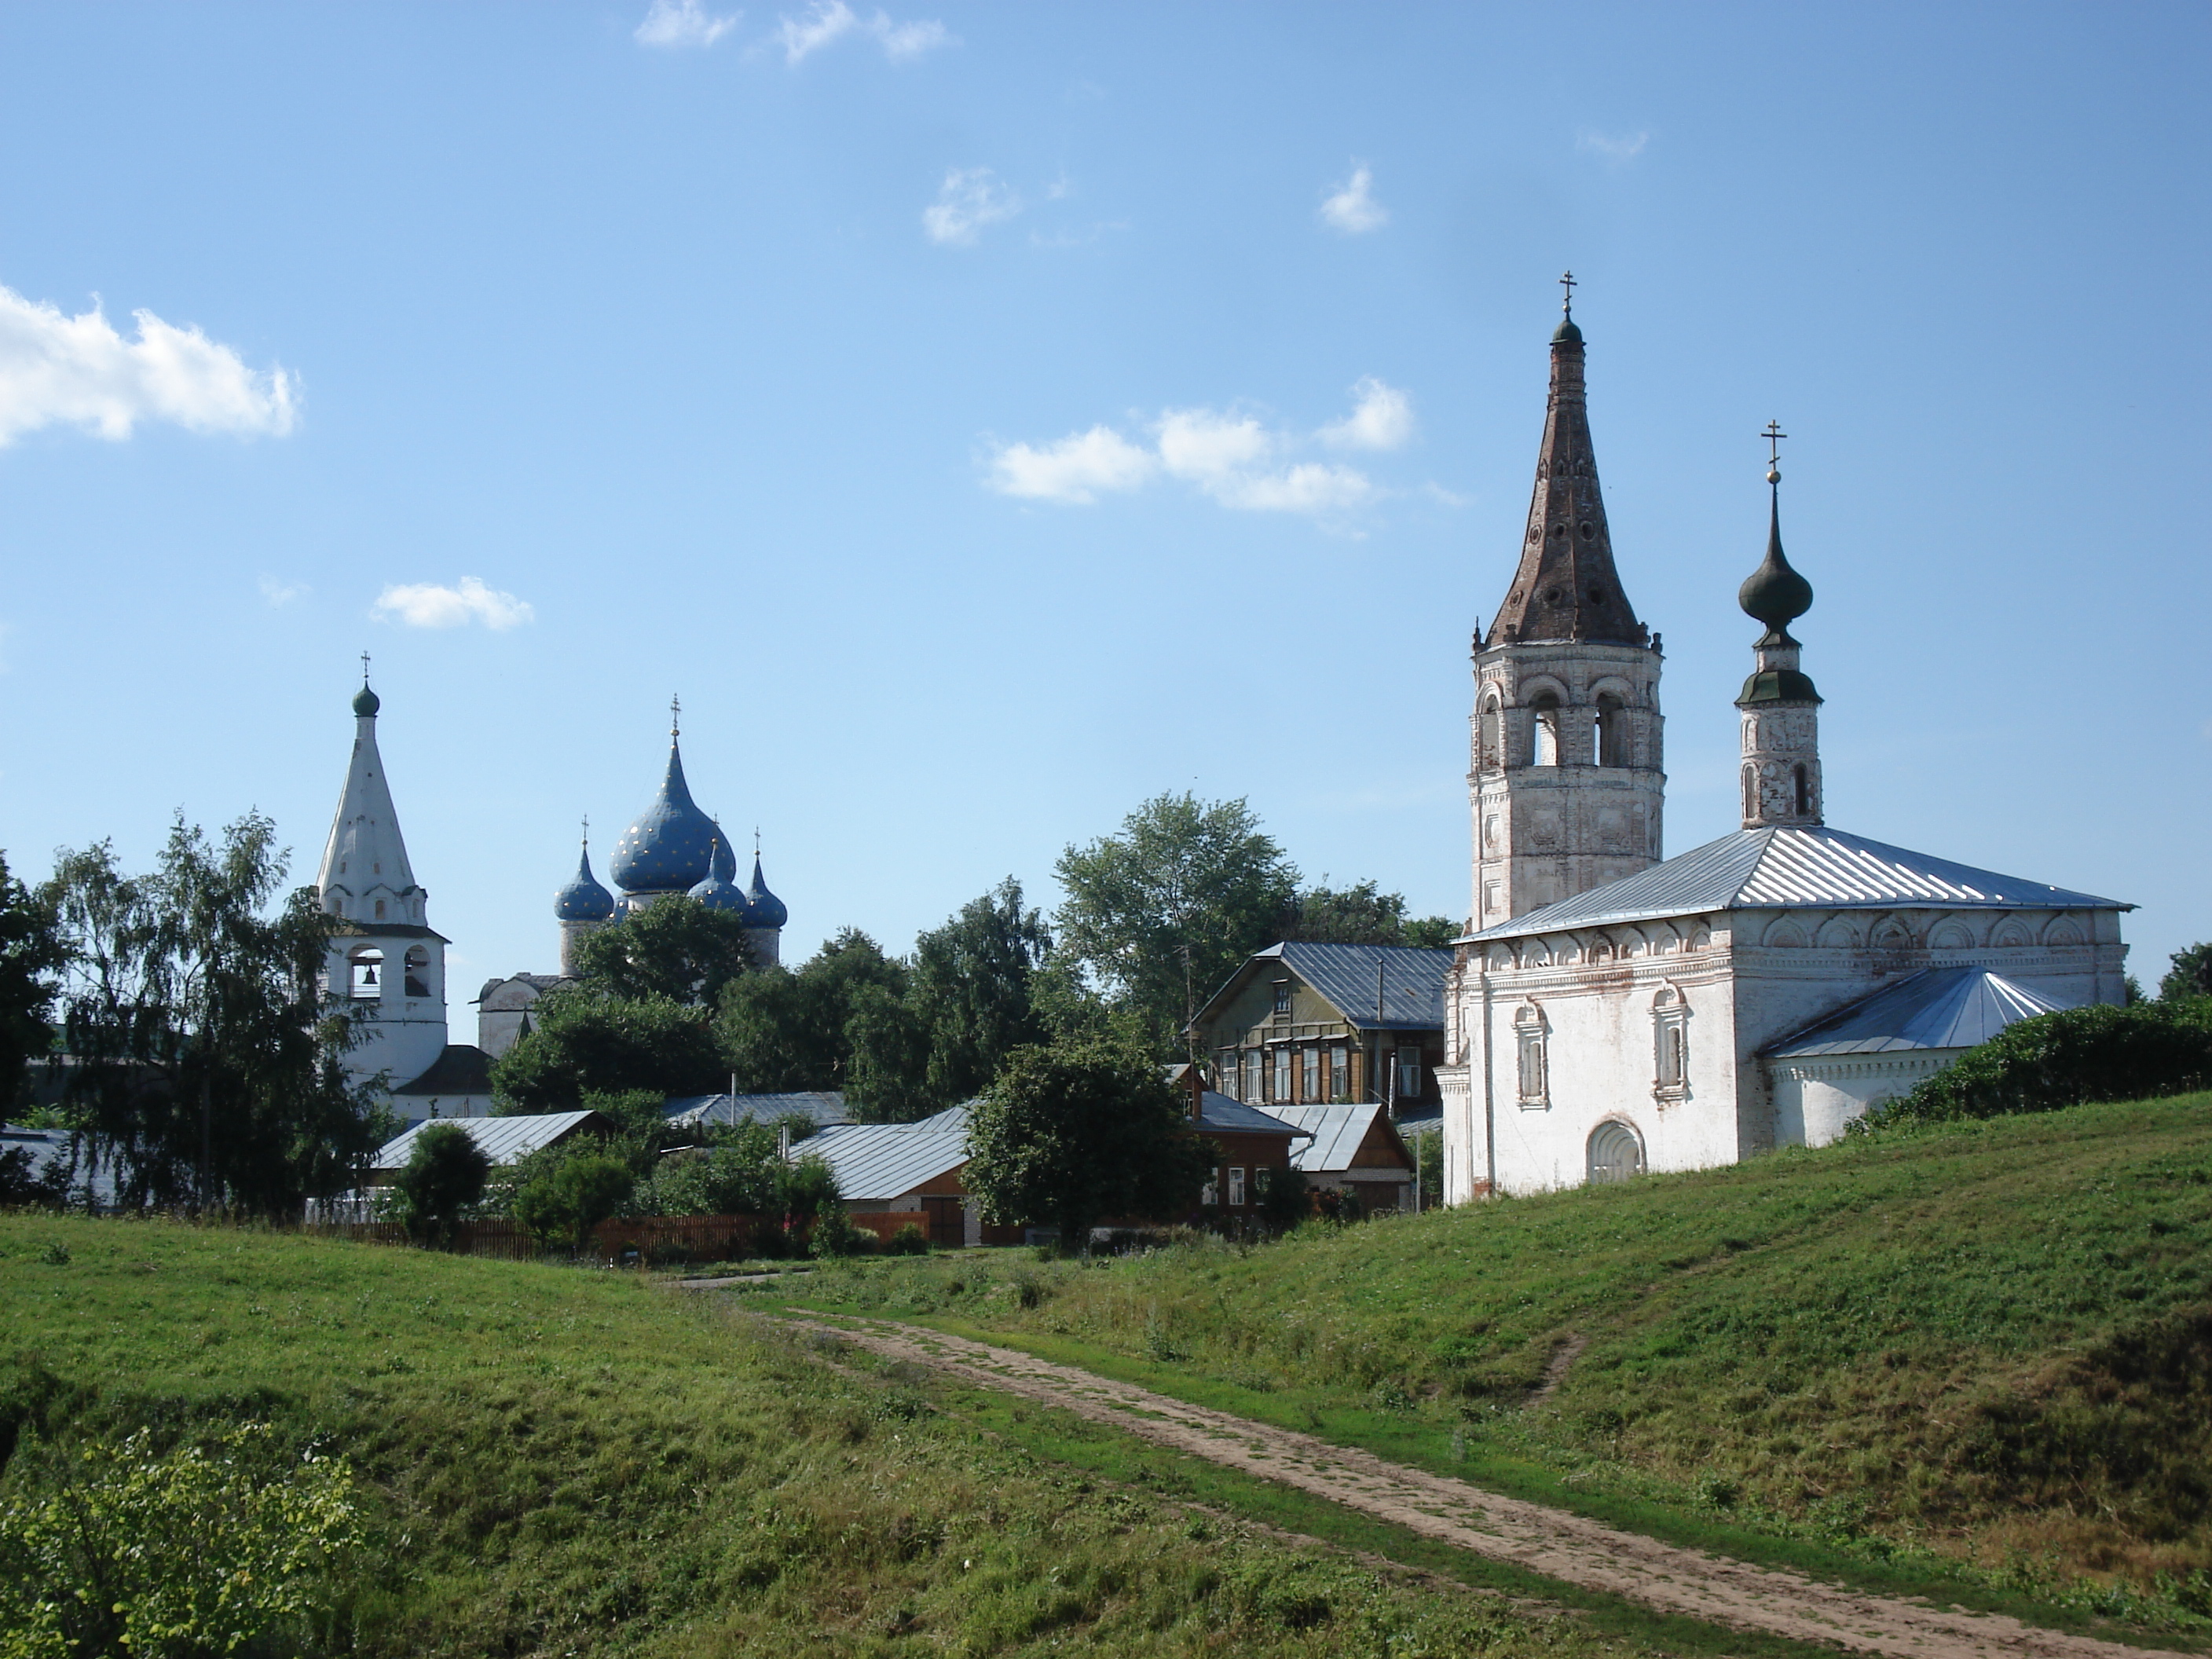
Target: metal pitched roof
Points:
(503, 1139)
(1412, 980)
(1789, 866)
(1337, 1133)
(1233, 1117)
(874, 1161)
(1935, 1008)
(824, 1107)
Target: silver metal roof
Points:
(503, 1139)
(1337, 1133)
(1230, 1116)
(877, 1161)
(824, 1107)
(1786, 867)
(1408, 979)
(1935, 1008)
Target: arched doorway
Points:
(1615, 1153)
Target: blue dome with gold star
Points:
(720, 891)
(671, 848)
(762, 908)
(583, 899)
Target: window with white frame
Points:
(1670, 1045)
(1528, 1032)
(1340, 1071)
(1282, 1074)
(1254, 1059)
(1225, 1074)
(1310, 1074)
(1236, 1185)
(1282, 997)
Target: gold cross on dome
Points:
(675, 717)
(1567, 300)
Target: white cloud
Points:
(78, 371)
(1073, 470)
(428, 604)
(1229, 455)
(1349, 208)
(678, 23)
(1626, 147)
(1382, 418)
(280, 594)
(828, 21)
(969, 199)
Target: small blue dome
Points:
(762, 908)
(726, 861)
(671, 848)
(583, 899)
(720, 891)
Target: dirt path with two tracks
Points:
(1552, 1542)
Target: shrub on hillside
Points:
(909, 1240)
(2065, 1059)
(445, 1175)
(562, 1205)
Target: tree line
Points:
(1154, 917)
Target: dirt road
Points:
(1550, 1541)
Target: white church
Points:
(389, 964)
(1609, 1013)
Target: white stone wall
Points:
(1816, 1097)
(1735, 981)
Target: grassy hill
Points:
(562, 1461)
(1992, 1341)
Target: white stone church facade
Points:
(1609, 1013)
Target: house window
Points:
(1339, 1073)
(1259, 1184)
(1409, 1074)
(1282, 1075)
(1225, 1073)
(1282, 998)
(1534, 1069)
(1254, 1059)
(1212, 1195)
(1670, 1046)
(1309, 1075)
(1236, 1185)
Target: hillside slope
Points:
(1992, 1339)
(562, 1461)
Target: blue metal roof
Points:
(1786, 867)
(671, 848)
(824, 1107)
(583, 899)
(1935, 1008)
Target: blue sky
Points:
(988, 416)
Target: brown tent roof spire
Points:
(1566, 587)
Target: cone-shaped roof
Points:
(365, 858)
(1566, 587)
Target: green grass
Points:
(562, 1460)
(1981, 1351)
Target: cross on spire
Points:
(675, 717)
(364, 668)
(1774, 434)
(588, 828)
(1567, 299)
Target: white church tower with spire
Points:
(385, 960)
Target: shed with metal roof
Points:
(504, 1141)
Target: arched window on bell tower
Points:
(1612, 748)
(1543, 729)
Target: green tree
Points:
(781, 1030)
(1070, 1136)
(971, 990)
(573, 1195)
(887, 1076)
(582, 1043)
(446, 1173)
(1363, 914)
(1284, 1199)
(1182, 876)
(676, 951)
(30, 956)
(2189, 976)
(743, 1173)
(207, 1055)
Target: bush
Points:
(562, 1206)
(909, 1240)
(132, 1551)
(445, 1175)
(2065, 1059)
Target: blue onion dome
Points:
(726, 861)
(671, 848)
(762, 908)
(583, 899)
(720, 891)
